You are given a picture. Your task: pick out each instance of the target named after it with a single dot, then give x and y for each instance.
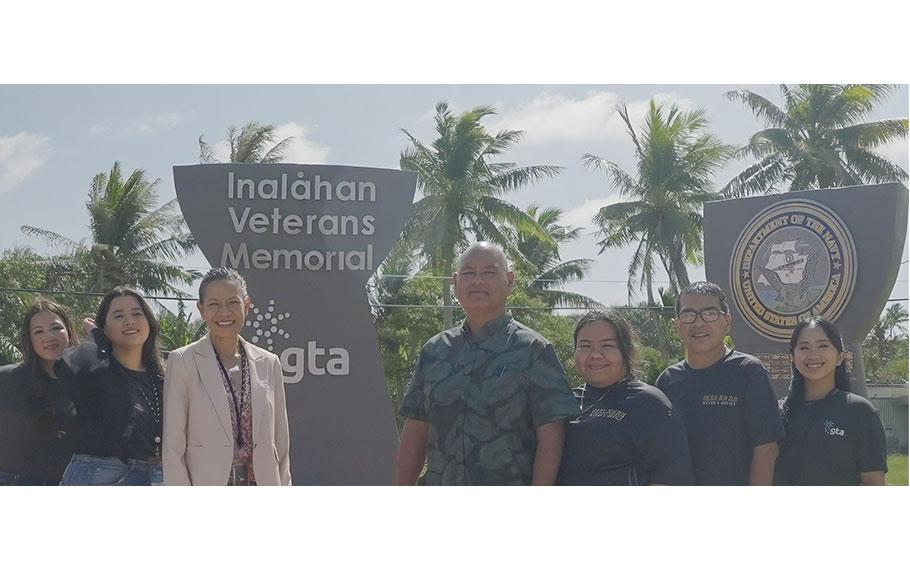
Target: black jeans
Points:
(16, 479)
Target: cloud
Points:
(143, 124)
(556, 118)
(895, 151)
(301, 149)
(21, 155)
(99, 129)
(581, 216)
(158, 122)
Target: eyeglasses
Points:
(708, 315)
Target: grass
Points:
(897, 469)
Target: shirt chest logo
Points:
(832, 430)
(610, 413)
(720, 400)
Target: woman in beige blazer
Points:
(225, 419)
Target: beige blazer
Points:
(198, 441)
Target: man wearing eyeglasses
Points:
(725, 397)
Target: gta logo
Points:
(296, 362)
(266, 326)
(832, 429)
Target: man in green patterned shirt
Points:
(488, 401)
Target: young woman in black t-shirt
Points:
(37, 419)
(834, 437)
(115, 381)
(627, 432)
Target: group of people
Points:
(108, 411)
(489, 403)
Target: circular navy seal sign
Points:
(794, 259)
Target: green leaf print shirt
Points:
(484, 395)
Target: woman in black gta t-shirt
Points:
(834, 437)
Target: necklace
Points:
(153, 402)
(608, 390)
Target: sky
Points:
(55, 138)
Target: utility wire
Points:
(375, 305)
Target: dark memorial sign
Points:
(307, 239)
(782, 258)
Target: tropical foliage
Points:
(22, 269)
(180, 328)
(661, 209)
(133, 242)
(548, 272)
(253, 143)
(402, 331)
(821, 138)
(885, 347)
(462, 189)
(658, 343)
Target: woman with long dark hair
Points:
(37, 419)
(627, 432)
(834, 437)
(115, 381)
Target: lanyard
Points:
(244, 381)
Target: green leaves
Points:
(817, 140)
(132, 241)
(676, 159)
(885, 347)
(254, 143)
(542, 271)
(462, 187)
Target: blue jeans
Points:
(91, 470)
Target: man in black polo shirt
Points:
(725, 397)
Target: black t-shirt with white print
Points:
(831, 441)
(626, 434)
(729, 408)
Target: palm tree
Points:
(654, 325)
(882, 344)
(549, 271)
(178, 329)
(461, 188)
(401, 331)
(895, 318)
(132, 242)
(250, 145)
(817, 140)
(387, 286)
(675, 160)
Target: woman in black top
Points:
(37, 419)
(115, 381)
(834, 437)
(627, 433)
